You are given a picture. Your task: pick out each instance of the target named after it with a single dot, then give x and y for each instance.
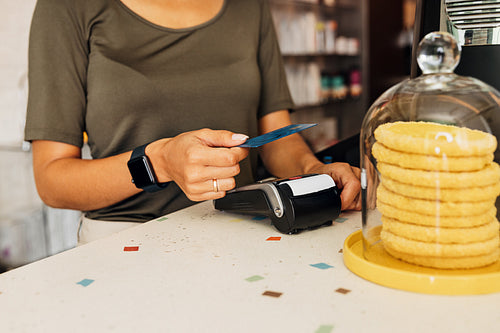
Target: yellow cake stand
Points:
(388, 271)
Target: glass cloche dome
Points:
(429, 172)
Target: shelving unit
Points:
(323, 44)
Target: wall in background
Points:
(15, 18)
(28, 229)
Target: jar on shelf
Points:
(429, 172)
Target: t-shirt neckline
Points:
(160, 27)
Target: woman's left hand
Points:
(347, 178)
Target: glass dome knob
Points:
(438, 52)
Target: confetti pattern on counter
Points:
(272, 293)
(324, 329)
(161, 219)
(259, 218)
(85, 282)
(131, 248)
(341, 219)
(321, 265)
(273, 239)
(343, 291)
(254, 278)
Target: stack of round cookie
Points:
(437, 192)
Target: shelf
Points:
(338, 5)
(327, 104)
(318, 55)
(314, 53)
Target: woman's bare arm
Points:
(192, 160)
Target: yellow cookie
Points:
(436, 220)
(488, 176)
(433, 207)
(466, 262)
(441, 234)
(433, 249)
(429, 162)
(435, 139)
(473, 193)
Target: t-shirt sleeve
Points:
(57, 68)
(275, 94)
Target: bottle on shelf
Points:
(330, 35)
(338, 87)
(355, 88)
(320, 37)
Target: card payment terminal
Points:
(293, 204)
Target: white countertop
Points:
(200, 270)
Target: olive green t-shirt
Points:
(96, 66)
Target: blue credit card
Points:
(275, 135)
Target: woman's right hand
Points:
(194, 159)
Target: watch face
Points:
(141, 172)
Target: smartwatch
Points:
(141, 169)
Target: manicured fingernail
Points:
(239, 137)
